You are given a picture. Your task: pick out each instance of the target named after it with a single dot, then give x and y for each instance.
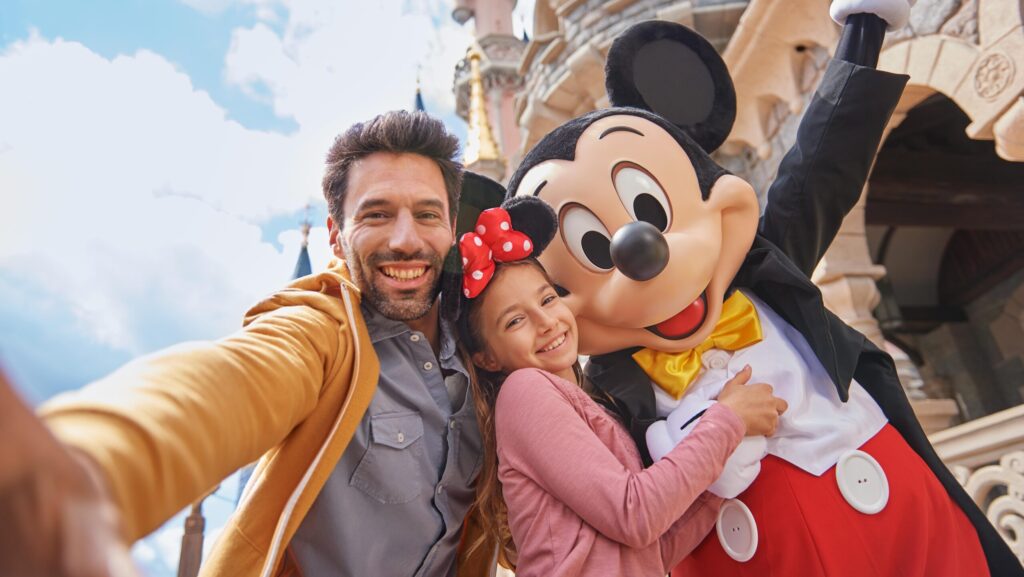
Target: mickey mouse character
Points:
(678, 283)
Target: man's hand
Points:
(58, 519)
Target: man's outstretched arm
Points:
(59, 519)
(158, 434)
(166, 428)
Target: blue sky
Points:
(157, 156)
(193, 40)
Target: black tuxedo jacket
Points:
(819, 181)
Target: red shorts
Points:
(806, 528)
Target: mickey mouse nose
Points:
(639, 250)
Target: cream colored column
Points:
(847, 277)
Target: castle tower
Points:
(498, 53)
(303, 267)
(418, 102)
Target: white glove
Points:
(740, 469)
(896, 13)
(663, 435)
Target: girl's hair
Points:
(485, 385)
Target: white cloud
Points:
(522, 17)
(131, 195)
(338, 62)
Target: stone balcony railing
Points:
(987, 456)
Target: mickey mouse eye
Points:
(642, 196)
(587, 239)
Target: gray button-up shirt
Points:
(395, 502)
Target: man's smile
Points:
(405, 275)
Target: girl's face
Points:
(524, 324)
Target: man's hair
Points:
(397, 131)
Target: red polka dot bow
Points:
(493, 241)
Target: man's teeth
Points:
(404, 273)
(554, 345)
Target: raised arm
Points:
(541, 435)
(821, 177)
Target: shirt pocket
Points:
(390, 470)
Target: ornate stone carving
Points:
(992, 75)
(971, 452)
(963, 24)
(1005, 511)
(502, 48)
(928, 15)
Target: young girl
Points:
(579, 501)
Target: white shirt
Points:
(818, 427)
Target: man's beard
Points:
(395, 304)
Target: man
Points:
(346, 382)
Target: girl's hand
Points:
(755, 404)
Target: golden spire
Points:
(481, 145)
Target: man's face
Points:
(396, 232)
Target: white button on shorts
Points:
(862, 482)
(737, 530)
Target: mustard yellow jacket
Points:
(292, 386)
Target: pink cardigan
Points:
(580, 501)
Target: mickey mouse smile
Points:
(685, 322)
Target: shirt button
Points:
(453, 424)
(428, 365)
(440, 489)
(715, 359)
(415, 338)
(401, 437)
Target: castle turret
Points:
(497, 54)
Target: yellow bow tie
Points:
(738, 327)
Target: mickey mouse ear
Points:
(533, 217)
(674, 72)
(478, 194)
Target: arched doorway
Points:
(945, 216)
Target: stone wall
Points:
(980, 362)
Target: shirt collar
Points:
(382, 328)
